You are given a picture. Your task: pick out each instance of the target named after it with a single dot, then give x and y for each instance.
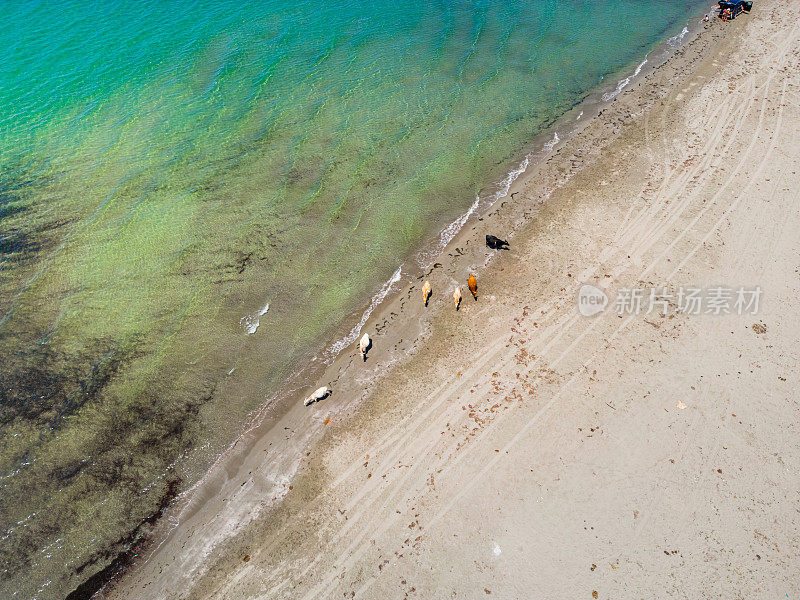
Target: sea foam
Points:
(677, 40)
(252, 322)
(623, 83)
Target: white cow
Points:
(364, 345)
(321, 393)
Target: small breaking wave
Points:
(623, 83)
(449, 232)
(548, 146)
(446, 235)
(379, 297)
(505, 185)
(251, 322)
(677, 40)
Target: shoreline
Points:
(598, 406)
(537, 151)
(269, 415)
(533, 154)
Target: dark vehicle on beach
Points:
(730, 9)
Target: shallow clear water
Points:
(169, 169)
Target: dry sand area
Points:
(522, 450)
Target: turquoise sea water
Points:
(169, 169)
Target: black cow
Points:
(495, 243)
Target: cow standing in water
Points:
(472, 284)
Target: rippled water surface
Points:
(195, 195)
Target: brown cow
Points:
(472, 284)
